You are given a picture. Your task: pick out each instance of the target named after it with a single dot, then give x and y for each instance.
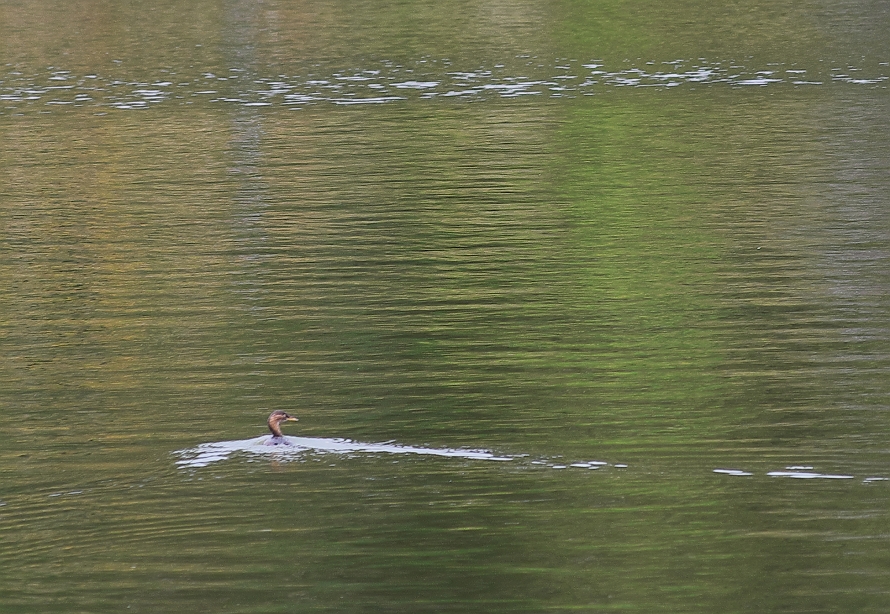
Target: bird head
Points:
(275, 420)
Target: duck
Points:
(274, 422)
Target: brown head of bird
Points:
(275, 420)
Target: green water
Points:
(651, 236)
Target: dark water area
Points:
(582, 307)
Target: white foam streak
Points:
(297, 447)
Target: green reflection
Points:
(680, 279)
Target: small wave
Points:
(388, 83)
(296, 447)
(800, 472)
(807, 475)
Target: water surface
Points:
(639, 251)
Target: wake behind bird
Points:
(292, 448)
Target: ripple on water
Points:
(801, 473)
(389, 83)
(808, 475)
(737, 472)
(296, 448)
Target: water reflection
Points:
(482, 239)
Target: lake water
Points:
(581, 306)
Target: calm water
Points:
(582, 306)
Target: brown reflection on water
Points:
(117, 264)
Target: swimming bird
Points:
(274, 422)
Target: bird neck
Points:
(276, 430)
